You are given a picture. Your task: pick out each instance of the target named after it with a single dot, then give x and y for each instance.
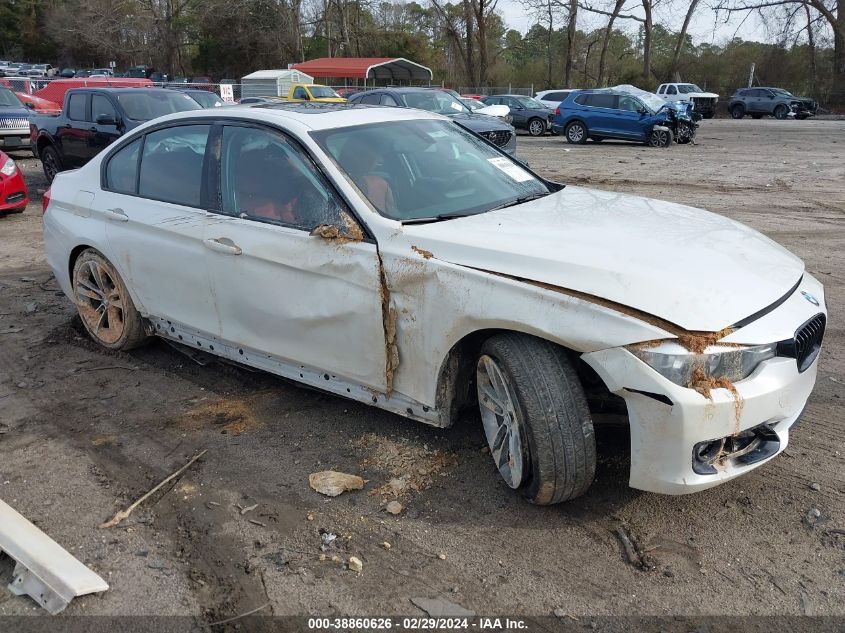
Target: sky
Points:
(703, 28)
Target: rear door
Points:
(156, 212)
(75, 133)
(277, 289)
(601, 113)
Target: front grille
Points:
(15, 197)
(14, 124)
(500, 138)
(805, 347)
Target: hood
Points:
(696, 269)
(8, 112)
(479, 122)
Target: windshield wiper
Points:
(520, 200)
(437, 218)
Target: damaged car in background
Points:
(398, 259)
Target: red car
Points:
(13, 194)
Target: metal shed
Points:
(393, 69)
(272, 83)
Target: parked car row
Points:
(20, 69)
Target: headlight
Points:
(9, 167)
(674, 363)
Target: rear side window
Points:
(387, 100)
(581, 99)
(671, 90)
(662, 89)
(299, 93)
(372, 99)
(556, 96)
(601, 100)
(122, 168)
(172, 164)
(76, 107)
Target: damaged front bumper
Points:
(683, 442)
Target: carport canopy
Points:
(390, 68)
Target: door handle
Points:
(223, 245)
(117, 214)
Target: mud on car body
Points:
(435, 275)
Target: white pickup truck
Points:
(703, 102)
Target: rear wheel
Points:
(536, 127)
(781, 112)
(576, 132)
(535, 418)
(738, 111)
(104, 304)
(51, 162)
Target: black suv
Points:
(443, 102)
(777, 102)
(528, 113)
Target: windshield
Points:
(434, 101)
(528, 102)
(9, 99)
(651, 100)
(472, 104)
(322, 92)
(413, 170)
(782, 91)
(685, 89)
(143, 106)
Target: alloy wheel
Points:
(99, 302)
(575, 133)
(502, 424)
(536, 128)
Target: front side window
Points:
(427, 169)
(122, 168)
(147, 105)
(77, 107)
(172, 164)
(101, 106)
(629, 104)
(265, 177)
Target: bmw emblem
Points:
(810, 298)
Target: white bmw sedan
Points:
(392, 257)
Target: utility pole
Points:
(751, 75)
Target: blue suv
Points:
(633, 115)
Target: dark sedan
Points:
(528, 113)
(443, 102)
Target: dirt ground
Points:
(84, 432)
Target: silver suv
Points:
(777, 102)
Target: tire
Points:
(738, 111)
(781, 112)
(548, 423)
(96, 283)
(51, 163)
(660, 138)
(536, 127)
(756, 116)
(576, 133)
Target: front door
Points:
(299, 298)
(104, 133)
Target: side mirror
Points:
(29, 106)
(642, 111)
(106, 119)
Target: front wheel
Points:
(576, 133)
(660, 138)
(535, 418)
(536, 127)
(104, 304)
(781, 112)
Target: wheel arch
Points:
(456, 376)
(76, 251)
(43, 140)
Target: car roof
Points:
(314, 116)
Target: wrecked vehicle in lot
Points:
(390, 256)
(625, 113)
